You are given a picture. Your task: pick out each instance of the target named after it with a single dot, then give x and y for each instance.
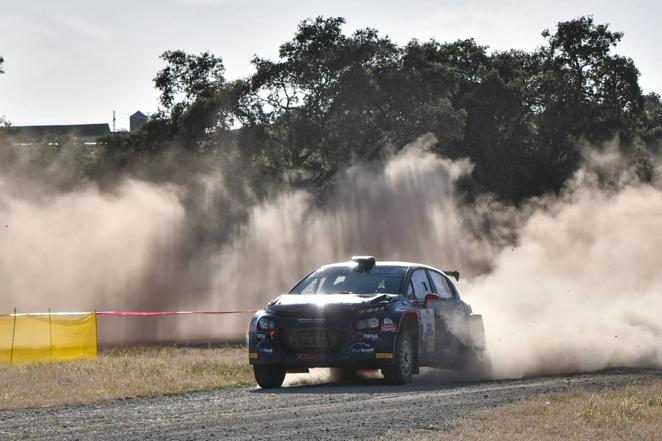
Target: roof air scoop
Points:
(365, 262)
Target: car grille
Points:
(311, 340)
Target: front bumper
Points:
(320, 342)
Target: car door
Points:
(450, 315)
(418, 288)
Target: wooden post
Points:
(96, 334)
(13, 334)
(50, 332)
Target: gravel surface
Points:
(310, 412)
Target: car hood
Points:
(302, 302)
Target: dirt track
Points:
(326, 411)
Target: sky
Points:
(77, 61)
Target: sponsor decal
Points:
(252, 355)
(265, 350)
(370, 337)
(427, 329)
(388, 325)
(312, 321)
(261, 337)
(311, 357)
(362, 348)
(384, 355)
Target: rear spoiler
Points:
(454, 274)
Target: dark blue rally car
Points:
(364, 314)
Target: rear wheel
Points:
(475, 364)
(403, 369)
(269, 377)
(474, 361)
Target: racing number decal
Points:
(427, 330)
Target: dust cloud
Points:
(406, 209)
(83, 242)
(582, 287)
(82, 250)
(564, 283)
(578, 289)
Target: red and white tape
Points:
(153, 313)
(129, 313)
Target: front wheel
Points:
(404, 361)
(269, 377)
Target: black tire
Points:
(403, 369)
(269, 377)
(476, 364)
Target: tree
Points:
(3, 120)
(651, 131)
(197, 106)
(581, 90)
(191, 77)
(332, 98)
(500, 134)
(307, 106)
(584, 88)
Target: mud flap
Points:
(476, 332)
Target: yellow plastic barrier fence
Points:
(32, 338)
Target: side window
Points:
(421, 284)
(410, 290)
(441, 286)
(310, 288)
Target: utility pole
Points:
(113, 121)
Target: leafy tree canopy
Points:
(188, 77)
(331, 98)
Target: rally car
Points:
(364, 314)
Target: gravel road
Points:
(308, 412)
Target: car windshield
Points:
(351, 280)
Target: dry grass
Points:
(124, 373)
(632, 413)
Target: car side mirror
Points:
(429, 298)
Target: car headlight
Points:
(368, 323)
(265, 324)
